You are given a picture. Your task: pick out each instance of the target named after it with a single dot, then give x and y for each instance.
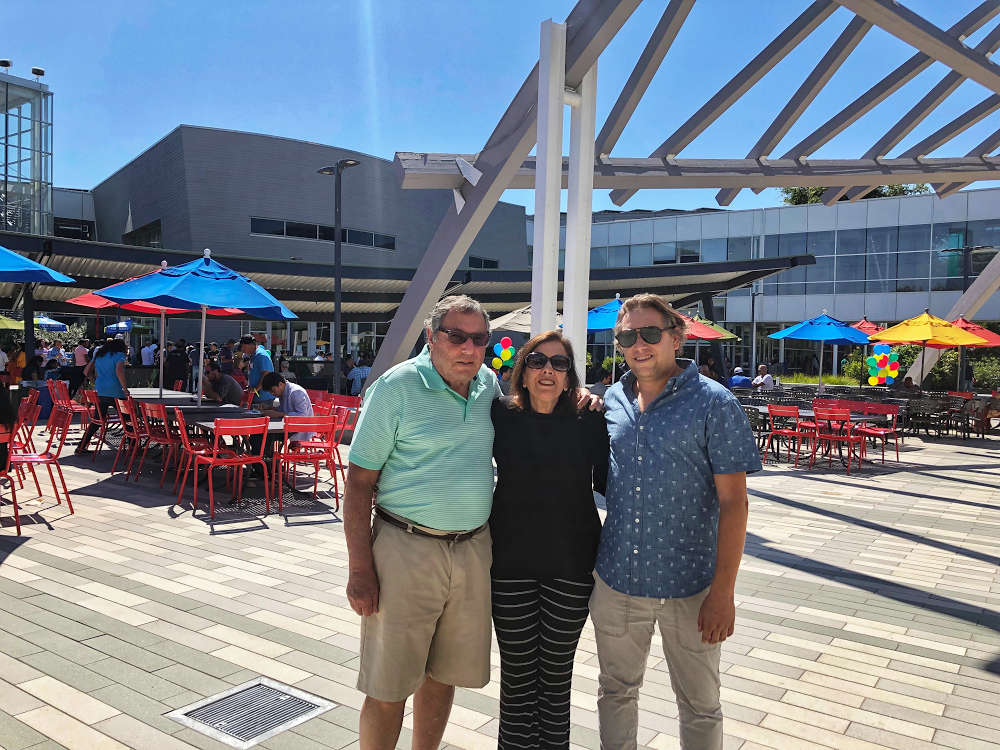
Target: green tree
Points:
(800, 196)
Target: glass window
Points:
(562, 238)
(328, 234)
(770, 246)
(598, 257)
(298, 229)
(562, 259)
(770, 288)
(531, 257)
(385, 241)
(599, 235)
(984, 232)
(688, 251)
(881, 266)
(946, 285)
(786, 289)
(618, 256)
(618, 233)
(475, 262)
(915, 238)
(850, 268)
(664, 252)
(980, 259)
(946, 265)
(912, 285)
(948, 236)
(822, 287)
(792, 244)
(739, 248)
(851, 241)
(489, 263)
(642, 232)
(882, 239)
(850, 287)
(821, 243)
(822, 271)
(641, 255)
(913, 265)
(713, 251)
(741, 292)
(358, 237)
(267, 226)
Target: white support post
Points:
(267, 332)
(579, 215)
(781, 350)
(311, 338)
(548, 176)
(290, 340)
(836, 360)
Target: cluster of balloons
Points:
(883, 366)
(504, 352)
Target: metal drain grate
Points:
(251, 713)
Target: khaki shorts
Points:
(433, 614)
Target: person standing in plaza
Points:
(550, 458)
(260, 365)
(176, 364)
(420, 576)
(109, 367)
(681, 448)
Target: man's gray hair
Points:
(458, 303)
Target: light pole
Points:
(337, 170)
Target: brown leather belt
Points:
(445, 536)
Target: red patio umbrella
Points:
(866, 326)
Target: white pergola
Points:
(566, 75)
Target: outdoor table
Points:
(855, 419)
(275, 427)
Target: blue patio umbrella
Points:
(124, 326)
(17, 269)
(825, 330)
(48, 324)
(603, 318)
(199, 285)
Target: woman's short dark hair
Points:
(519, 396)
(113, 346)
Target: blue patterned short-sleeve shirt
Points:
(659, 538)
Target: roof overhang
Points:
(370, 293)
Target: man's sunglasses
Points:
(458, 337)
(650, 334)
(559, 362)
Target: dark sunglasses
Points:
(455, 336)
(537, 360)
(650, 334)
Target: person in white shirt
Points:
(3, 361)
(763, 381)
(148, 353)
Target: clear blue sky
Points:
(382, 76)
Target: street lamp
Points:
(966, 252)
(337, 170)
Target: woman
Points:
(34, 370)
(545, 530)
(109, 364)
(16, 363)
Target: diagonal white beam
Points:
(649, 62)
(921, 110)
(591, 26)
(752, 72)
(913, 29)
(959, 125)
(987, 147)
(978, 17)
(803, 97)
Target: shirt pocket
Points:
(609, 609)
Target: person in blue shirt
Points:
(109, 364)
(739, 380)
(259, 365)
(358, 375)
(671, 545)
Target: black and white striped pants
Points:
(538, 624)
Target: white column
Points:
(836, 360)
(548, 176)
(311, 338)
(290, 340)
(579, 214)
(781, 350)
(267, 332)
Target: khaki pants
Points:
(433, 614)
(624, 628)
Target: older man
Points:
(677, 511)
(421, 576)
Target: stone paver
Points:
(868, 615)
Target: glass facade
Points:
(304, 231)
(26, 194)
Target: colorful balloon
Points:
(497, 349)
(505, 355)
(505, 342)
(872, 380)
(497, 363)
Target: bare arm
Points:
(120, 372)
(362, 581)
(717, 618)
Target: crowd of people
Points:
(445, 553)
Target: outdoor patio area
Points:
(868, 614)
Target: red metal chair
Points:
(62, 391)
(133, 433)
(178, 385)
(839, 429)
(190, 446)
(779, 417)
(883, 433)
(319, 450)
(222, 457)
(92, 400)
(351, 402)
(323, 408)
(27, 418)
(8, 439)
(315, 396)
(247, 398)
(50, 456)
(160, 432)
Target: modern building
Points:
(26, 156)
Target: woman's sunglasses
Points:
(650, 334)
(559, 362)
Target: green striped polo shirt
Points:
(433, 447)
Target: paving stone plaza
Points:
(868, 615)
